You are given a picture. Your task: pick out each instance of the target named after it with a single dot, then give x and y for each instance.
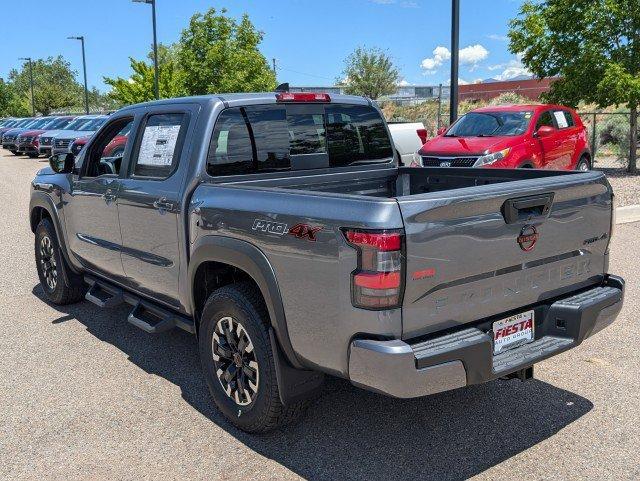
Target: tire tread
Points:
(277, 414)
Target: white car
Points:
(408, 138)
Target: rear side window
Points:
(356, 134)
(545, 120)
(160, 145)
(564, 119)
(268, 138)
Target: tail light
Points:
(377, 283)
(422, 133)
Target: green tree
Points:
(5, 99)
(55, 85)
(218, 54)
(592, 45)
(369, 72)
(139, 87)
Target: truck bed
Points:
(391, 183)
(456, 227)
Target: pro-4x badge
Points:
(304, 231)
(269, 226)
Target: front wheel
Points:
(238, 361)
(584, 164)
(60, 284)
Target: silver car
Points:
(61, 142)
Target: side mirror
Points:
(442, 130)
(62, 163)
(545, 131)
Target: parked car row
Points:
(504, 137)
(35, 136)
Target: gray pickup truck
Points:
(279, 229)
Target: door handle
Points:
(525, 209)
(163, 205)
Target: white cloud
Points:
(512, 72)
(513, 68)
(404, 83)
(461, 81)
(440, 55)
(473, 55)
(470, 56)
(498, 38)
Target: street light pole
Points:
(455, 48)
(33, 106)
(84, 68)
(155, 45)
(155, 49)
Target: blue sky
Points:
(309, 39)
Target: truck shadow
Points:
(354, 434)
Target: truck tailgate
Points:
(465, 261)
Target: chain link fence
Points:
(609, 137)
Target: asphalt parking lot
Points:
(83, 394)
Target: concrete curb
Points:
(627, 214)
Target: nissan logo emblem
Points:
(528, 238)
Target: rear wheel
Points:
(584, 164)
(238, 362)
(60, 284)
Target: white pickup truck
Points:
(408, 138)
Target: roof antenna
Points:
(283, 87)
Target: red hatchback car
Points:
(511, 137)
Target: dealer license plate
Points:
(512, 332)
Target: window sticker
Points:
(158, 145)
(561, 119)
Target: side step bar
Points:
(154, 320)
(103, 295)
(145, 315)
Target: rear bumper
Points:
(466, 356)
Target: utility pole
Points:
(455, 49)
(84, 68)
(33, 106)
(275, 69)
(155, 45)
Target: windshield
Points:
(93, 124)
(491, 124)
(24, 123)
(38, 124)
(59, 124)
(76, 123)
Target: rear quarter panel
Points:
(313, 276)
